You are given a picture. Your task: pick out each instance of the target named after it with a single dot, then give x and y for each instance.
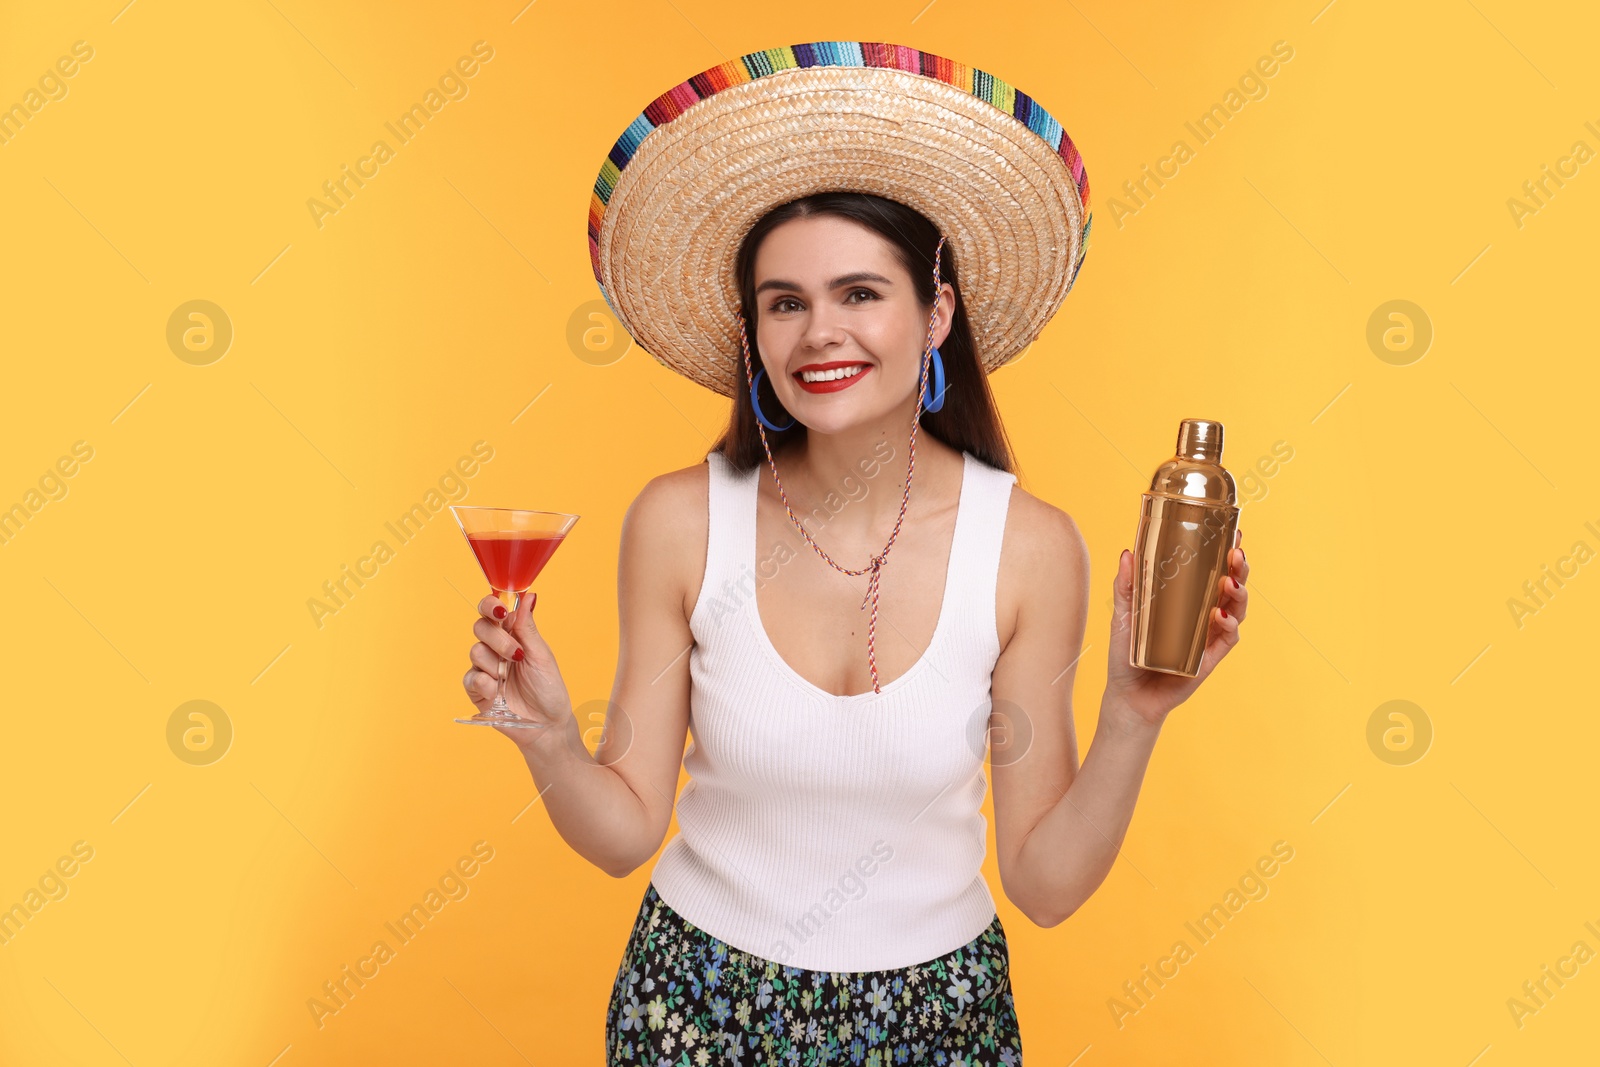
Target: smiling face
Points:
(838, 323)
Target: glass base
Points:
(494, 718)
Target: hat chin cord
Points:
(875, 566)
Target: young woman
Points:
(823, 899)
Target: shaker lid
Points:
(1196, 472)
(1200, 439)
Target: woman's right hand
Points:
(534, 688)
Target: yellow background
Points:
(437, 305)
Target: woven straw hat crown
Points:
(688, 178)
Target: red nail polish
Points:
(1224, 613)
(517, 655)
(499, 611)
(534, 602)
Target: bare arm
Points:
(1058, 828)
(1034, 744)
(614, 807)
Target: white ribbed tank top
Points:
(836, 833)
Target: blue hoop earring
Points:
(936, 373)
(756, 403)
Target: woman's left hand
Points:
(1150, 695)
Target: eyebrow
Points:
(842, 280)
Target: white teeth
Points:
(830, 375)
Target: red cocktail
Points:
(512, 547)
(512, 560)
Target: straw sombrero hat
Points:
(694, 172)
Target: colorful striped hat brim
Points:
(704, 161)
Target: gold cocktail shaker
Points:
(1186, 529)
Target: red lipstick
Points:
(837, 384)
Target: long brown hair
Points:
(969, 420)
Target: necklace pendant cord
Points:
(872, 621)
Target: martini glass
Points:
(512, 548)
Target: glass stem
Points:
(500, 707)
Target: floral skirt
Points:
(684, 998)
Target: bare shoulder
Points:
(667, 528)
(1043, 554)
